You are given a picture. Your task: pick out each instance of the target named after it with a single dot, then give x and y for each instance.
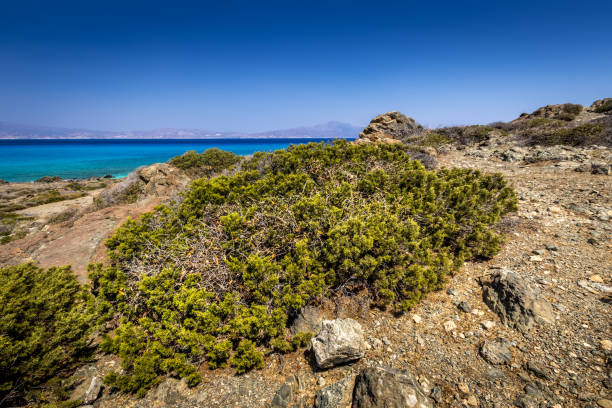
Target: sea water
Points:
(28, 160)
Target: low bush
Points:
(209, 162)
(466, 135)
(569, 112)
(217, 276)
(46, 319)
(604, 107)
(582, 135)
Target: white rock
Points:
(449, 325)
(339, 341)
(416, 318)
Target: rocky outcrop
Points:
(515, 302)
(159, 180)
(339, 341)
(162, 179)
(390, 127)
(386, 387)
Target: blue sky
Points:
(253, 66)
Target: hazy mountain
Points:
(18, 131)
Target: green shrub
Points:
(466, 135)
(45, 324)
(216, 276)
(569, 112)
(209, 162)
(246, 357)
(582, 135)
(605, 107)
(434, 140)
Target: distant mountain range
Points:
(328, 130)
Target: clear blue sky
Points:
(252, 66)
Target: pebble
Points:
(539, 251)
(473, 401)
(321, 381)
(552, 248)
(596, 278)
(606, 345)
(464, 307)
(449, 325)
(488, 324)
(604, 403)
(452, 292)
(464, 388)
(536, 258)
(416, 318)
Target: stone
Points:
(472, 401)
(93, 391)
(449, 325)
(416, 318)
(494, 374)
(436, 394)
(600, 168)
(287, 393)
(552, 248)
(488, 324)
(464, 307)
(539, 370)
(604, 403)
(596, 278)
(339, 341)
(452, 292)
(606, 345)
(308, 320)
(539, 251)
(536, 258)
(336, 395)
(496, 351)
(378, 387)
(515, 302)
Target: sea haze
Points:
(28, 160)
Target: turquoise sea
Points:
(28, 160)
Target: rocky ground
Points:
(455, 347)
(72, 231)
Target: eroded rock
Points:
(515, 302)
(339, 341)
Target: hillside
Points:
(439, 287)
(327, 130)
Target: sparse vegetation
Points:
(605, 107)
(217, 276)
(569, 112)
(582, 135)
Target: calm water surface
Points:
(28, 160)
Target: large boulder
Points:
(339, 341)
(378, 387)
(390, 127)
(515, 302)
